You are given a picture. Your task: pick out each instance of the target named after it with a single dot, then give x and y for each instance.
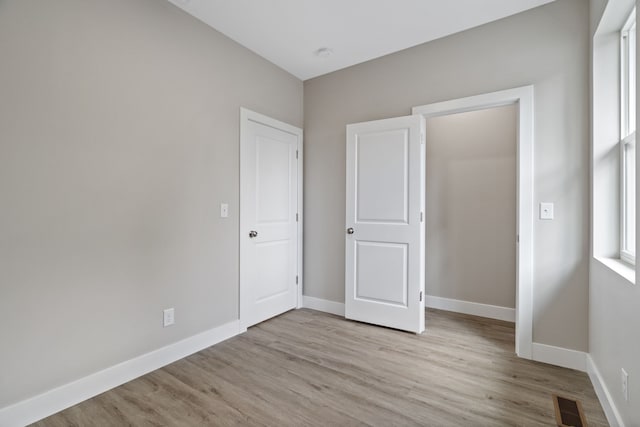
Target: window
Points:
(628, 140)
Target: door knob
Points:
(253, 234)
(350, 230)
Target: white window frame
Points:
(627, 125)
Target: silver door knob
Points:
(253, 234)
(350, 230)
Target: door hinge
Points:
(296, 154)
(420, 296)
(421, 216)
(296, 280)
(296, 217)
(518, 238)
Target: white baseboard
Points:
(41, 406)
(327, 306)
(472, 308)
(559, 356)
(604, 396)
(476, 309)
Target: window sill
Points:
(623, 269)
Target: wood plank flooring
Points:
(307, 368)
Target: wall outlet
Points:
(624, 377)
(169, 317)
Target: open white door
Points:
(385, 260)
(270, 230)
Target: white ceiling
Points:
(288, 32)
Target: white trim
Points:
(629, 140)
(606, 401)
(627, 71)
(41, 406)
(324, 305)
(300, 217)
(246, 116)
(621, 268)
(627, 54)
(559, 356)
(472, 308)
(523, 98)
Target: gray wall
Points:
(471, 206)
(614, 302)
(119, 137)
(613, 336)
(547, 47)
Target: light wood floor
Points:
(307, 368)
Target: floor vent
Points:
(568, 412)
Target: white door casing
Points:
(270, 217)
(384, 265)
(523, 98)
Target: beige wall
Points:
(547, 47)
(119, 130)
(471, 206)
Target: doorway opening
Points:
(470, 217)
(522, 100)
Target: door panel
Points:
(273, 180)
(381, 272)
(274, 273)
(268, 207)
(391, 148)
(384, 281)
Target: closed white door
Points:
(385, 223)
(269, 233)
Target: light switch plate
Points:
(224, 210)
(546, 210)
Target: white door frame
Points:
(247, 116)
(522, 97)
